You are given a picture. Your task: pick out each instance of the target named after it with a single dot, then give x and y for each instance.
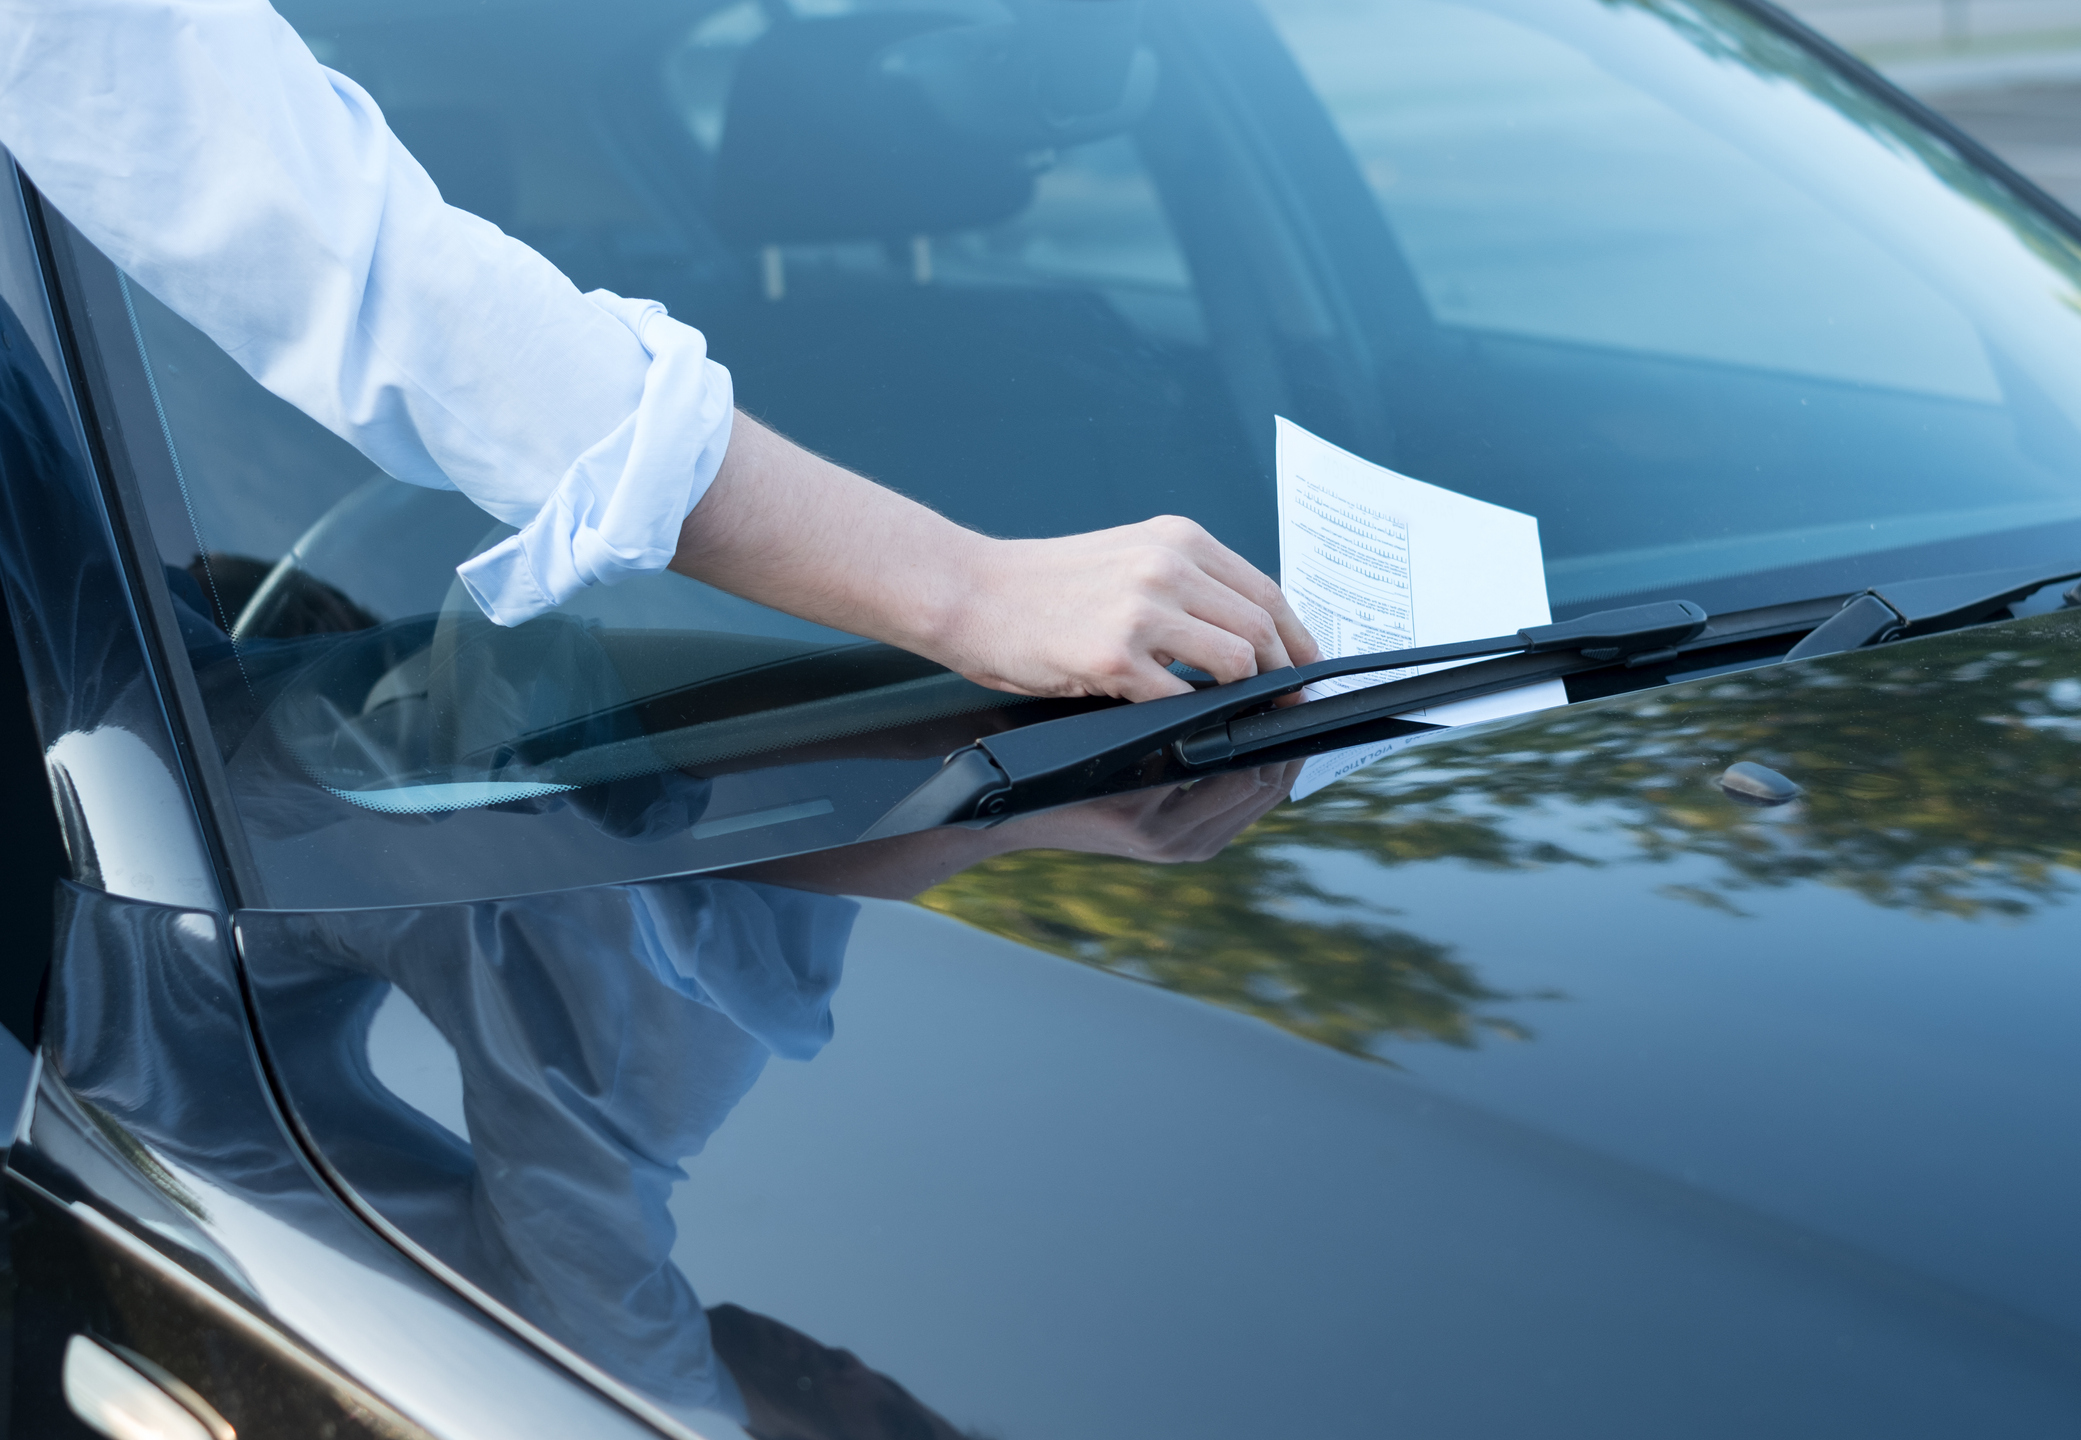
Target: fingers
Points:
(1216, 801)
(1188, 822)
(1240, 638)
(1214, 812)
(1238, 575)
(1247, 793)
(1148, 681)
(1171, 610)
(1300, 644)
(1208, 599)
(1213, 647)
(1105, 613)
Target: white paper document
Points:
(1372, 560)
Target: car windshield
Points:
(1722, 316)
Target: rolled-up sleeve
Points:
(202, 147)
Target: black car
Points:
(671, 1017)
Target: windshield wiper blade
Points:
(1056, 761)
(1904, 608)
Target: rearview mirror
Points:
(1062, 73)
(885, 124)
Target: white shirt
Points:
(202, 147)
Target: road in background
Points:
(2036, 128)
(2008, 71)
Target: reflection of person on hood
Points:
(1165, 825)
(603, 1035)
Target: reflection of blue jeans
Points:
(602, 1035)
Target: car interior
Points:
(1055, 339)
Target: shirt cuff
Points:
(617, 511)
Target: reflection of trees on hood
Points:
(1246, 929)
(1943, 779)
(1941, 776)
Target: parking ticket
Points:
(1374, 560)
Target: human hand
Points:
(1095, 614)
(1167, 825)
(1104, 613)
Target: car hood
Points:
(1522, 1082)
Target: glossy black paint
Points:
(81, 1279)
(122, 1126)
(1741, 1123)
(72, 666)
(93, 686)
(154, 1195)
(1744, 1121)
(604, 1034)
(160, 1204)
(72, 661)
(1845, 1014)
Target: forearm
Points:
(260, 196)
(789, 529)
(1096, 614)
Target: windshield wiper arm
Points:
(1904, 608)
(1055, 761)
